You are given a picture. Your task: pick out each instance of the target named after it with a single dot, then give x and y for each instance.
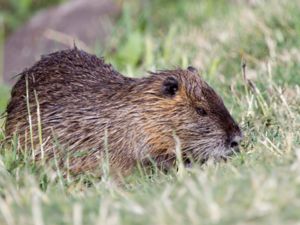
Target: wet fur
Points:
(86, 108)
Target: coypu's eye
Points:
(170, 86)
(201, 111)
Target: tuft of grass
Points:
(258, 186)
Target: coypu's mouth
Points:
(229, 153)
(233, 151)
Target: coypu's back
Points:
(73, 69)
(71, 104)
(64, 77)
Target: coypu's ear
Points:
(170, 86)
(192, 69)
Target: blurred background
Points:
(258, 186)
(137, 36)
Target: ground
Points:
(261, 185)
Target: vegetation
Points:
(259, 186)
(14, 12)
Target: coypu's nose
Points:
(235, 138)
(235, 141)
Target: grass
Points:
(259, 186)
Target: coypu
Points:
(71, 103)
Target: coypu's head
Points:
(185, 103)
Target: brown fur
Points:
(84, 106)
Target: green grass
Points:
(259, 186)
